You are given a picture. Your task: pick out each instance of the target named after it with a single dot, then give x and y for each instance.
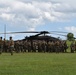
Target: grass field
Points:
(38, 64)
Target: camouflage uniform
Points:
(61, 46)
(11, 45)
(5, 46)
(16, 45)
(44, 46)
(75, 45)
(21, 46)
(72, 46)
(39, 46)
(65, 46)
(51, 47)
(1, 45)
(25, 46)
(29, 46)
(57, 46)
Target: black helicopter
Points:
(39, 35)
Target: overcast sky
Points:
(37, 15)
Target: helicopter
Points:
(38, 34)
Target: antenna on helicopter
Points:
(5, 31)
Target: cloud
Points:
(7, 16)
(71, 29)
(33, 13)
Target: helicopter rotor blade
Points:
(39, 32)
(59, 34)
(20, 32)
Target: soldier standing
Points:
(1, 45)
(72, 46)
(4, 46)
(57, 46)
(11, 45)
(75, 45)
(16, 46)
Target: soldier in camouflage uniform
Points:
(57, 45)
(65, 46)
(72, 46)
(75, 45)
(39, 46)
(51, 47)
(43, 46)
(11, 45)
(16, 46)
(34, 46)
(61, 46)
(25, 46)
(21, 46)
(29, 46)
(1, 45)
(5, 47)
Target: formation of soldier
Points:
(44, 46)
(34, 46)
(6, 46)
(41, 46)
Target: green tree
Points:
(70, 36)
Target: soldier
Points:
(65, 46)
(4, 46)
(57, 46)
(25, 45)
(72, 46)
(21, 46)
(75, 45)
(29, 46)
(11, 45)
(43, 46)
(39, 46)
(62, 46)
(34, 46)
(51, 47)
(16, 46)
(1, 45)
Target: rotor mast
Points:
(5, 31)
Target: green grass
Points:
(38, 64)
